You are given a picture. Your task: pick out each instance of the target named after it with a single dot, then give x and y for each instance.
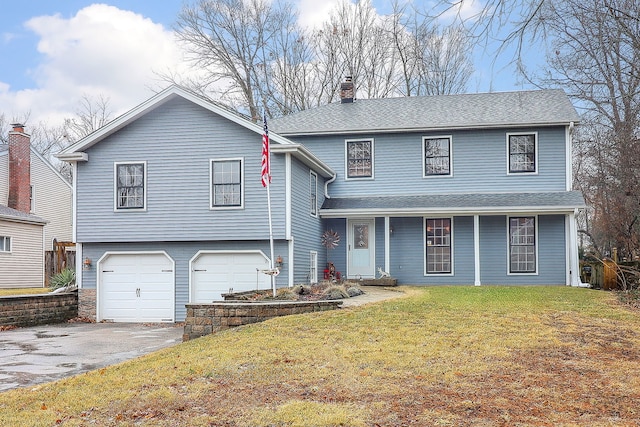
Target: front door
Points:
(361, 249)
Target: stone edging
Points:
(205, 319)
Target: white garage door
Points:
(215, 273)
(136, 288)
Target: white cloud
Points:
(102, 50)
(312, 13)
(463, 10)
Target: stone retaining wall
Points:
(40, 309)
(205, 319)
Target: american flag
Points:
(266, 155)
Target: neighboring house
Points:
(460, 189)
(35, 209)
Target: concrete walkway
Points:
(372, 294)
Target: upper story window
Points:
(437, 155)
(5, 244)
(226, 183)
(130, 181)
(522, 152)
(313, 193)
(359, 155)
(438, 247)
(32, 204)
(522, 244)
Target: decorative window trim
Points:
(535, 245)
(346, 159)
(116, 208)
(535, 147)
(211, 184)
(313, 193)
(6, 244)
(313, 267)
(425, 245)
(424, 159)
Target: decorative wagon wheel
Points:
(330, 239)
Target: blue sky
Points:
(56, 52)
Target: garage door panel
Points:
(137, 288)
(215, 273)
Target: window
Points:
(359, 158)
(226, 183)
(313, 191)
(5, 244)
(438, 247)
(31, 201)
(522, 244)
(437, 156)
(313, 267)
(522, 152)
(130, 185)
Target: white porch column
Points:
(573, 263)
(387, 244)
(476, 248)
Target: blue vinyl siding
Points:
(177, 140)
(338, 255)
(181, 253)
(551, 252)
(479, 163)
(305, 228)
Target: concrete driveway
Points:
(39, 354)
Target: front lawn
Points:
(446, 356)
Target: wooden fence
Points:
(57, 260)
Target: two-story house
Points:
(35, 211)
(465, 189)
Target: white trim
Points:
(74, 203)
(288, 196)
(499, 210)
(32, 199)
(50, 166)
(387, 244)
(424, 166)
(424, 245)
(220, 252)
(110, 253)
(537, 246)
(306, 157)
(476, 250)
(313, 209)
(346, 160)
(569, 156)
(242, 180)
(573, 263)
(79, 264)
(313, 267)
(145, 186)
(508, 153)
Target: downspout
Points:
(326, 186)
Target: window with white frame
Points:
(522, 152)
(226, 183)
(5, 244)
(522, 244)
(313, 267)
(359, 154)
(437, 155)
(438, 245)
(32, 205)
(130, 184)
(313, 193)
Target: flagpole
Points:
(271, 266)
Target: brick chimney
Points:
(346, 91)
(19, 169)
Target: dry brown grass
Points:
(23, 291)
(455, 356)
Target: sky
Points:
(55, 52)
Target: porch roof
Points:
(13, 215)
(448, 204)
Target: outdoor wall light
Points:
(279, 262)
(86, 264)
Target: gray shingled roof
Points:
(10, 214)
(486, 202)
(479, 110)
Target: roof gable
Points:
(407, 114)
